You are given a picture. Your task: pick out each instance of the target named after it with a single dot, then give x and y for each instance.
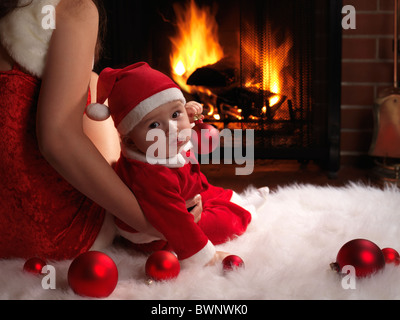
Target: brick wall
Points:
(367, 67)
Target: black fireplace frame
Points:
(140, 31)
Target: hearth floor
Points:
(275, 173)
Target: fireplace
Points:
(270, 66)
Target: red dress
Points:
(40, 214)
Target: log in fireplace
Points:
(271, 66)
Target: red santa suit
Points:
(162, 191)
(163, 188)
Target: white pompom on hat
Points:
(98, 112)
(132, 93)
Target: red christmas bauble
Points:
(205, 137)
(162, 265)
(34, 265)
(364, 255)
(232, 262)
(93, 274)
(391, 256)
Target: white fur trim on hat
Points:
(148, 105)
(97, 111)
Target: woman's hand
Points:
(196, 206)
(194, 110)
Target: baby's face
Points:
(169, 120)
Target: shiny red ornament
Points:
(364, 255)
(232, 262)
(391, 256)
(93, 274)
(34, 265)
(205, 137)
(162, 265)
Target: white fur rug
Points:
(287, 252)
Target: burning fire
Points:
(273, 61)
(196, 43)
(272, 67)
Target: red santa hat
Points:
(132, 93)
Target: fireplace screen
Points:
(276, 72)
(271, 66)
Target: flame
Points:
(196, 43)
(274, 99)
(179, 69)
(271, 65)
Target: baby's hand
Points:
(196, 207)
(194, 110)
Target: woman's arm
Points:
(61, 106)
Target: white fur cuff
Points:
(200, 258)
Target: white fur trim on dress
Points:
(148, 105)
(24, 38)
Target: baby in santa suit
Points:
(142, 102)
